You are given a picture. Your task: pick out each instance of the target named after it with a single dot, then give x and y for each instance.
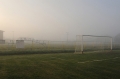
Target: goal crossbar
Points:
(95, 36)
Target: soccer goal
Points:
(86, 43)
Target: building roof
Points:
(1, 31)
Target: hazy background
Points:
(55, 19)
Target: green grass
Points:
(61, 66)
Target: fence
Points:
(39, 45)
(46, 46)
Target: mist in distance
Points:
(59, 19)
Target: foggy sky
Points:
(54, 19)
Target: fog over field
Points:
(57, 19)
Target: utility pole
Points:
(13, 36)
(67, 36)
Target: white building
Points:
(1, 35)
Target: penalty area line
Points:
(99, 60)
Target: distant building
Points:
(1, 35)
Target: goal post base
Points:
(78, 52)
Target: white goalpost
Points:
(92, 43)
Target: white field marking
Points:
(53, 57)
(81, 62)
(98, 60)
(58, 58)
(104, 59)
(85, 62)
(89, 61)
(115, 57)
(61, 59)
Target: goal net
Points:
(92, 43)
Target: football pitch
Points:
(100, 65)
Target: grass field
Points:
(61, 66)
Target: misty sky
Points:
(53, 19)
